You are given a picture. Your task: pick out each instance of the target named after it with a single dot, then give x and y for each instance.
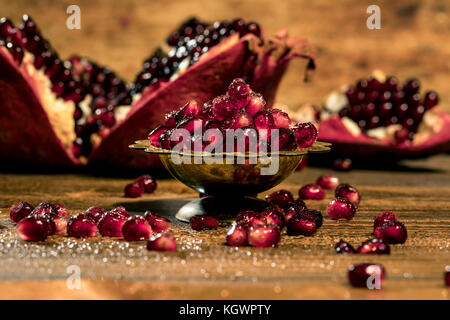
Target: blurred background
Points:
(413, 40)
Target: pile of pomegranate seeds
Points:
(239, 108)
(141, 185)
(359, 274)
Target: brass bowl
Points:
(237, 180)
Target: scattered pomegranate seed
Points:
(95, 213)
(359, 274)
(341, 208)
(275, 216)
(134, 190)
(280, 198)
(237, 235)
(264, 235)
(136, 228)
(148, 182)
(199, 223)
(327, 182)
(20, 210)
(44, 208)
(81, 226)
(344, 247)
(299, 225)
(158, 224)
(294, 208)
(314, 216)
(162, 242)
(61, 210)
(382, 218)
(374, 246)
(342, 164)
(121, 210)
(393, 232)
(249, 218)
(34, 228)
(348, 192)
(111, 224)
(311, 191)
(447, 276)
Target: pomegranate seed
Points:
(134, 190)
(344, 247)
(342, 164)
(60, 225)
(255, 104)
(374, 246)
(34, 228)
(341, 208)
(111, 224)
(359, 274)
(237, 235)
(392, 232)
(327, 182)
(286, 139)
(263, 120)
(431, 99)
(162, 242)
(240, 92)
(241, 120)
(158, 224)
(199, 223)
(281, 119)
(401, 135)
(264, 235)
(224, 107)
(95, 213)
(148, 182)
(136, 228)
(154, 136)
(275, 216)
(45, 208)
(311, 191)
(62, 210)
(305, 134)
(249, 218)
(299, 225)
(280, 198)
(189, 110)
(382, 218)
(348, 192)
(20, 210)
(314, 216)
(447, 276)
(81, 226)
(293, 208)
(121, 210)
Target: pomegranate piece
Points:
(348, 192)
(311, 191)
(305, 134)
(374, 246)
(62, 210)
(327, 182)
(162, 242)
(255, 104)
(81, 226)
(341, 208)
(111, 224)
(281, 119)
(382, 218)
(136, 228)
(158, 224)
(237, 235)
(224, 107)
(264, 235)
(239, 91)
(366, 275)
(299, 225)
(280, 198)
(393, 232)
(95, 213)
(344, 247)
(134, 190)
(156, 134)
(199, 223)
(447, 276)
(34, 228)
(274, 216)
(314, 216)
(148, 182)
(20, 210)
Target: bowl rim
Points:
(317, 147)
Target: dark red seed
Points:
(33, 228)
(341, 208)
(401, 135)
(374, 246)
(348, 192)
(393, 232)
(293, 208)
(275, 216)
(154, 136)
(240, 92)
(81, 226)
(382, 218)
(366, 275)
(342, 164)
(254, 28)
(256, 104)
(327, 182)
(281, 119)
(45, 208)
(344, 247)
(61, 210)
(299, 225)
(162, 242)
(263, 120)
(20, 210)
(111, 224)
(158, 224)
(95, 213)
(199, 223)
(224, 107)
(121, 210)
(431, 99)
(264, 235)
(237, 235)
(136, 228)
(305, 134)
(148, 182)
(311, 191)
(280, 198)
(286, 139)
(134, 190)
(314, 216)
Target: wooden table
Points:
(205, 268)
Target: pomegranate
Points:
(158, 224)
(348, 192)
(374, 246)
(341, 208)
(392, 232)
(237, 235)
(327, 182)
(280, 198)
(136, 228)
(85, 113)
(344, 247)
(81, 226)
(20, 210)
(148, 182)
(311, 191)
(61, 209)
(299, 225)
(382, 218)
(162, 242)
(366, 275)
(267, 235)
(275, 216)
(294, 208)
(134, 190)
(314, 216)
(34, 228)
(199, 223)
(111, 224)
(95, 213)
(248, 218)
(45, 208)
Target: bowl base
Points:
(221, 208)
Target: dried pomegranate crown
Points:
(240, 108)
